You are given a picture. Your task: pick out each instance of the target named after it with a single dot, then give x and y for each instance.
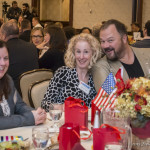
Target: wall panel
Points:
(89, 12)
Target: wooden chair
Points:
(36, 92)
(30, 77)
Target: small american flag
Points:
(106, 97)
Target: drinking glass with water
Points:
(55, 111)
(40, 137)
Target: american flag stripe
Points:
(110, 101)
(99, 95)
(100, 100)
(107, 101)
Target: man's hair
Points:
(36, 18)
(147, 27)
(120, 27)
(10, 28)
(14, 2)
(25, 24)
(26, 5)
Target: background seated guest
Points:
(145, 43)
(37, 38)
(49, 23)
(114, 43)
(86, 30)
(53, 58)
(69, 32)
(59, 24)
(69, 80)
(13, 111)
(36, 22)
(135, 27)
(26, 30)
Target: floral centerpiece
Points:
(133, 100)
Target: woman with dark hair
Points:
(13, 111)
(53, 58)
(86, 30)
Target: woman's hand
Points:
(41, 46)
(39, 115)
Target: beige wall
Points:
(146, 11)
(89, 12)
(57, 10)
(9, 2)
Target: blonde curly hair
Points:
(70, 53)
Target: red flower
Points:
(144, 101)
(138, 107)
(140, 100)
(137, 97)
(128, 84)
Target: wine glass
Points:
(55, 111)
(40, 137)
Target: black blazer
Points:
(22, 57)
(25, 35)
(52, 59)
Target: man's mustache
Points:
(108, 49)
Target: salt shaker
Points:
(96, 120)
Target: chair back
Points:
(30, 77)
(36, 92)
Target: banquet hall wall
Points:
(89, 12)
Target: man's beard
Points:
(116, 54)
(114, 57)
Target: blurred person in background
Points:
(145, 43)
(69, 32)
(14, 11)
(37, 38)
(25, 12)
(135, 27)
(53, 58)
(59, 24)
(26, 30)
(86, 30)
(36, 22)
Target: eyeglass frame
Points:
(36, 36)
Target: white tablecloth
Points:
(26, 132)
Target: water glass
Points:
(55, 111)
(111, 117)
(40, 137)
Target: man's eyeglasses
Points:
(37, 36)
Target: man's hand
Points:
(39, 115)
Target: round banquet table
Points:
(26, 132)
